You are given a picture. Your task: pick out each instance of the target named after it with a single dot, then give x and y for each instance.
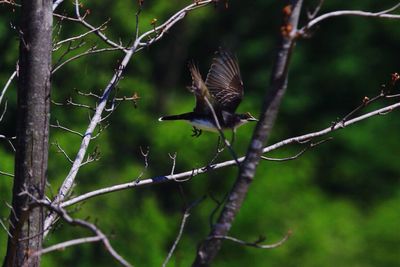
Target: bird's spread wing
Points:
(200, 91)
(224, 81)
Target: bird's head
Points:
(245, 117)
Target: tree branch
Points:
(96, 119)
(255, 244)
(381, 14)
(77, 222)
(208, 249)
(195, 172)
(185, 216)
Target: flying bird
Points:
(216, 98)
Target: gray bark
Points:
(26, 226)
(210, 247)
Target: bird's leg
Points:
(196, 132)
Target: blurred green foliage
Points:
(341, 199)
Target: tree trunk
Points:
(209, 248)
(26, 223)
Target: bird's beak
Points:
(252, 119)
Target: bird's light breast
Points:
(203, 125)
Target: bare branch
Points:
(255, 244)
(77, 222)
(6, 174)
(163, 28)
(69, 243)
(69, 49)
(58, 125)
(10, 2)
(195, 172)
(88, 94)
(3, 92)
(310, 145)
(185, 216)
(96, 30)
(145, 155)
(61, 150)
(64, 17)
(90, 51)
(97, 117)
(56, 4)
(173, 157)
(70, 102)
(207, 251)
(8, 139)
(5, 228)
(381, 14)
(100, 28)
(4, 111)
(312, 15)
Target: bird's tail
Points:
(184, 116)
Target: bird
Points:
(217, 98)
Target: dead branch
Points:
(77, 222)
(59, 126)
(381, 14)
(56, 4)
(189, 174)
(208, 249)
(301, 152)
(90, 51)
(69, 243)
(3, 92)
(5, 228)
(185, 216)
(61, 150)
(255, 244)
(71, 39)
(4, 111)
(67, 185)
(96, 30)
(6, 174)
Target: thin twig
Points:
(380, 14)
(96, 30)
(312, 15)
(6, 174)
(5, 228)
(301, 152)
(56, 4)
(10, 2)
(255, 244)
(68, 182)
(77, 222)
(185, 216)
(173, 158)
(101, 27)
(90, 51)
(61, 150)
(4, 111)
(58, 125)
(3, 92)
(195, 172)
(69, 243)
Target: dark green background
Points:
(341, 199)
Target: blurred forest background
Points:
(341, 199)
